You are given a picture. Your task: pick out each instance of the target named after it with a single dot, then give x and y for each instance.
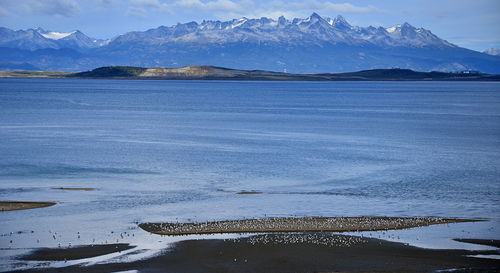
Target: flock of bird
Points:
(293, 224)
(325, 239)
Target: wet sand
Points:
(296, 224)
(74, 253)
(298, 252)
(486, 242)
(19, 205)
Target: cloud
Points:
(140, 8)
(137, 12)
(107, 3)
(214, 6)
(3, 12)
(155, 4)
(226, 9)
(300, 9)
(67, 8)
(322, 6)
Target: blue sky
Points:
(472, 24)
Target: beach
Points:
(303, 252)
(268, 249)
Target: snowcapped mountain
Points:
(24, 39)
(53, 35)
(32, 39)
(311, 30)
(312, 44)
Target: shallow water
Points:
(180, 150)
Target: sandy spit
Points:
(19, 205)
(296, 224)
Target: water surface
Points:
(179, 150)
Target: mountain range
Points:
(311, 45)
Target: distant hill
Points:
(111, 72)
(311, 45)
(221, 73)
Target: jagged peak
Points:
(40, 29)
(407, 25)
(314, 15)
(77, 32)
(340, 19)
(399, 27)
(188, 24)
(340, 22)
(282, 20)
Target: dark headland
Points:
(221, 73)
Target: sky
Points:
(473, 24)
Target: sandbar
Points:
(19, 205)
(296, 224)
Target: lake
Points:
(181, 150)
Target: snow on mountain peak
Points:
(53, 35)
(238, 22)
(393, 28)
(312, 30)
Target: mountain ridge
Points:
(336, 30)
(39, 38)
(302, 45)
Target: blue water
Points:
(165, 150)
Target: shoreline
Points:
(151, 253)
(250, 79)
(213, 73)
